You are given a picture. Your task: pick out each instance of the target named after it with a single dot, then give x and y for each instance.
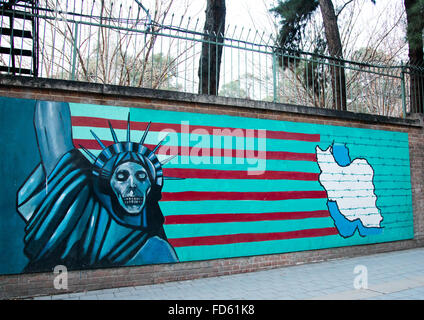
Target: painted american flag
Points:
(240, 186)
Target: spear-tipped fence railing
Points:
(91, 41)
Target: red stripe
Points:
(251, 237)
(221, 131)
(235, 174)
(243, 217)
(207, 152)
(263, 196)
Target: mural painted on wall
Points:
(100, 186)
(352, 202)
(80, 214)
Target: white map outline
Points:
(351, 187)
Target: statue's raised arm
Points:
(52, 121)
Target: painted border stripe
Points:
(243, 217)
(251, 237)
(81, 121)
(187, 151)
(238, 174)
(262, 196)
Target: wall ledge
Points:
(30, 285)
(412, 120)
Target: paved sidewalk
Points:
(395, 275)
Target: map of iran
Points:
(350, 191)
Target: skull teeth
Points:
(133, 200)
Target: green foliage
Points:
(294, 14)
(233, 89)
(415, 15)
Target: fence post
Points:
(74, 54)
(274, 76)
(402, 81)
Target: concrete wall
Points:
(402, 229)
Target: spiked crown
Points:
(121, 151)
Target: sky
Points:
(369, 23)
(371, 20)
(255, 15)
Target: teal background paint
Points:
(386, 151)
(20, 157)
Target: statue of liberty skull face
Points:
(131, 185)
(129, 180)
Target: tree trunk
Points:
(415, 24)
(335, 49)
(210, 59)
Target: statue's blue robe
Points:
(68, 225)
